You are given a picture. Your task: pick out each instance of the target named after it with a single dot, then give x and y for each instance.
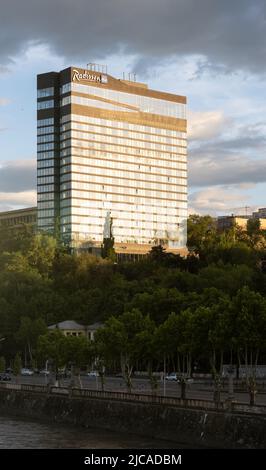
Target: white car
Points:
(93, 373)
(26, 371)
(44, 372)
(171, 376)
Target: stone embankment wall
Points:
(192, 427)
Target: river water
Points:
(27, 434)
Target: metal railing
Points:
(77, 393)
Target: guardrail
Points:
(226, 405)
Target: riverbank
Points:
(192, 427)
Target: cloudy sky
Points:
(212, 51)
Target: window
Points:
(45, 104)
(44, 92)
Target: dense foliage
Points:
(195, 312)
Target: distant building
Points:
(226, 222)
(72, 328)
(19, 217)
(260, 213)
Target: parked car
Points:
(5, 377)
(93, 373)
(25, 371)
(44, 372)
(9, 370)
(172, 376)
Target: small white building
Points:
(72, 328)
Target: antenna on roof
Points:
(101, 68)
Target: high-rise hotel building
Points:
(111, 154)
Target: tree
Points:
(248, 315)
(117, 340)
(17, 366)
(28, 334)
(2, 364)
(52, 347)
(78, 352)
(148, 350)
(41, 252)
(201, 232)
(158, 254)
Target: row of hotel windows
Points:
(138, 168)
(94, 206)
(45, 180)
(121, 234)
(99, 221)
(125, 190)
(138, 218)
(46, 217)
(45, 163)
(45, 212)
(117, 140)
(46, 176)
(111, 198)
(74, 119)
(107, 184)
(45, 122)
(46, 201)
(46, 205)
(94, 104)
(122, 125)
(121, 230)
(143, 103)
(45, 155)
(46, 192)
(118, 215)
(44, 92)
(49, 196)
(158, 137)
(137, 158)
(47, 130)
(45, 147)
(138, 164)
(111, 139)
(127, 171)
(45, 104)
(80, 144)
(124, 178)
(45, 171)
(124, 198)
(87, 150)
(140, 236)
(97, 103)
(46, 138)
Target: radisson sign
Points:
(90, 77)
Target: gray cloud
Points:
(239, 159)
(229, 34)
(219, 200)
(224, 168)
(18, 176)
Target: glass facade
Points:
(120, 155)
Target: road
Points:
(196, 390)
